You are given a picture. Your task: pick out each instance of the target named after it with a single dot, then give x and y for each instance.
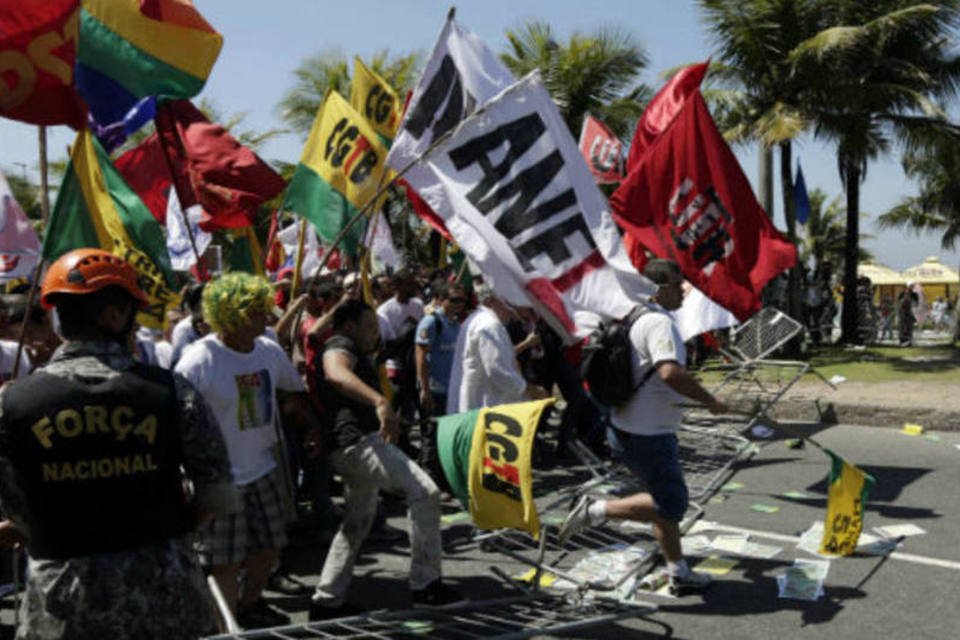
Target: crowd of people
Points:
(133, 461)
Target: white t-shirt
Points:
(393, 314)
(653, 409)
(484, 371)
(241, 389)
(8, 355)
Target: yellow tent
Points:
(936, 278)
(887, 282)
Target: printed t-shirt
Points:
(241, 390)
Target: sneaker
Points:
(576, 521)
(320, 612)
(690, 582)
(260, 615)
(436, 595)
(287, 585)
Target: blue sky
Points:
(265, 41)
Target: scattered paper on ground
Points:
(546, 579)
(837, 379)
(899, 530)
(762, 431)
(730, 542)
(764, 508)
(702, 525)
(814, 569)
(717, 499)
(552, 518)
(417, 627)
(732, 486)
(757, 550)
(609, 566)
(911, 429)
(695, 545)
(871, 545)
(811, 538)
(798, 495)
(799, 582)
(932, 437)
(717, 566)
(450, 518)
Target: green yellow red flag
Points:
(485, 455)
(849, 489)
(375, 100)
(339, 172)
(96, 208)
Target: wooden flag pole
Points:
(44, 216)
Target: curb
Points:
(932, 419)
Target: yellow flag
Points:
(500, 480)
(375, 100)
(849, 489)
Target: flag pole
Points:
(175, 185)
(44, 216)
(298, 262)
(399, 174)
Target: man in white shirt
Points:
(643, 431)
(239, 372)
(484, 371)
(398, 318)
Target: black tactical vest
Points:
(97, 461)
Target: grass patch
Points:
(880, 364)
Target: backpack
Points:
(606, 367)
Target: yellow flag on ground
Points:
(375, 100)
(500, 481)
(849, 489)
(340, 171)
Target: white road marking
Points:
(779, 537)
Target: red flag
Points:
(145, 169)
(228, 179)
(602, 150)
(688, 200)
(38, 49)
(422, 209)
(664, 108)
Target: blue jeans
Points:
(656, 461)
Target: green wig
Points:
(228, 300)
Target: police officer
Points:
(91, 451)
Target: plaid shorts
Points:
(260, 525)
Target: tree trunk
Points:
(848, 320)
(765, 182)
(794, 281)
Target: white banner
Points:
(379, 240)
(289, 238)
(19, 244)
(523, 206)
(699, 314)
(181, 253)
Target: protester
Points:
(905, 315)
(192, 326)
(436, 340)
(239, 372)
(644, 429)
(485, 371)
(103, 512)
(398, 318)
(364, 427)
(40, 338)
(9, 347)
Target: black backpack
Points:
(606, 366)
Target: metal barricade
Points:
(511, 618)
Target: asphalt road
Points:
(912, 593)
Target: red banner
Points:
(689, 201)
(602, 150)
(38, 47)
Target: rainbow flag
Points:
(130, 50)
(340, 171)
(96, 208)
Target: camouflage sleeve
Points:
(205, 453)
(13, 502)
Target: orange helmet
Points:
(84, 271)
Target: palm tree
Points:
(329, 70)
(594, 73)
(823, 238)
(883, 70)
(759, 93)
(937, 206)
